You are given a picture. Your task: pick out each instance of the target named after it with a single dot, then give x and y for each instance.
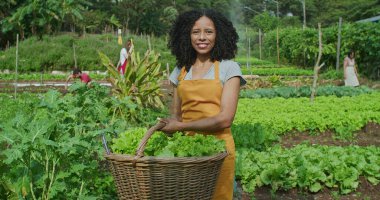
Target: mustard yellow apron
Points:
(201, 99)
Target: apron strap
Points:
(183, 72)
(216, 70)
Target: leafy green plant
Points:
(141, 80)
(342, 115)
(53, 150)
(308, 167)
(332, 74)
(161, 145)
(253, 136)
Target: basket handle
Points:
(144, 141)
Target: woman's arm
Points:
(67, 80)
(345, 63)
(219, 122)
(356, 69)
(175, 109)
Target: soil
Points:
(368, 135)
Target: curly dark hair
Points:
(180, 42)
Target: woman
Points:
(77, 73)
(206, 83)
(124, 54)
(350, 71)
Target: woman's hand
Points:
(171, 125)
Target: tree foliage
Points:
(38, 17)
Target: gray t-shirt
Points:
(227, 70)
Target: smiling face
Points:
(203, 35)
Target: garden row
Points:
(342, 115)
(308, 167)
(304, 91)
(261, 161)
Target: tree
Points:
(265, 22)
(38, 17)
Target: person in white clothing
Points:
(124, 54)
(350, 71)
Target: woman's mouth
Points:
(202, 46)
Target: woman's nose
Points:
(202, 36)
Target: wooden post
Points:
(338, 46)
(149, 45)
(278, 50)
(317, 67)
(278, 45)
(246, 35)
(16, 67)
(260, 42)
(249, 54)
(75, 57)
(304, 14)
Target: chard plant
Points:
(141, 80)
(53, 151)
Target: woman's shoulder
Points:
(229, 64)
(229, 69)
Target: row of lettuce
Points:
(304, 91)
(342, 115)
(51, 147)
(260, 123)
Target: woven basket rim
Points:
(155, 159)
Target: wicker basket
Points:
(139, 177)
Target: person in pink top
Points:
(77, 73)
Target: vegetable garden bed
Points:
(276, 175)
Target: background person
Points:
(350, 70)
(77, 73)
(124, 55)
(206, 83)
